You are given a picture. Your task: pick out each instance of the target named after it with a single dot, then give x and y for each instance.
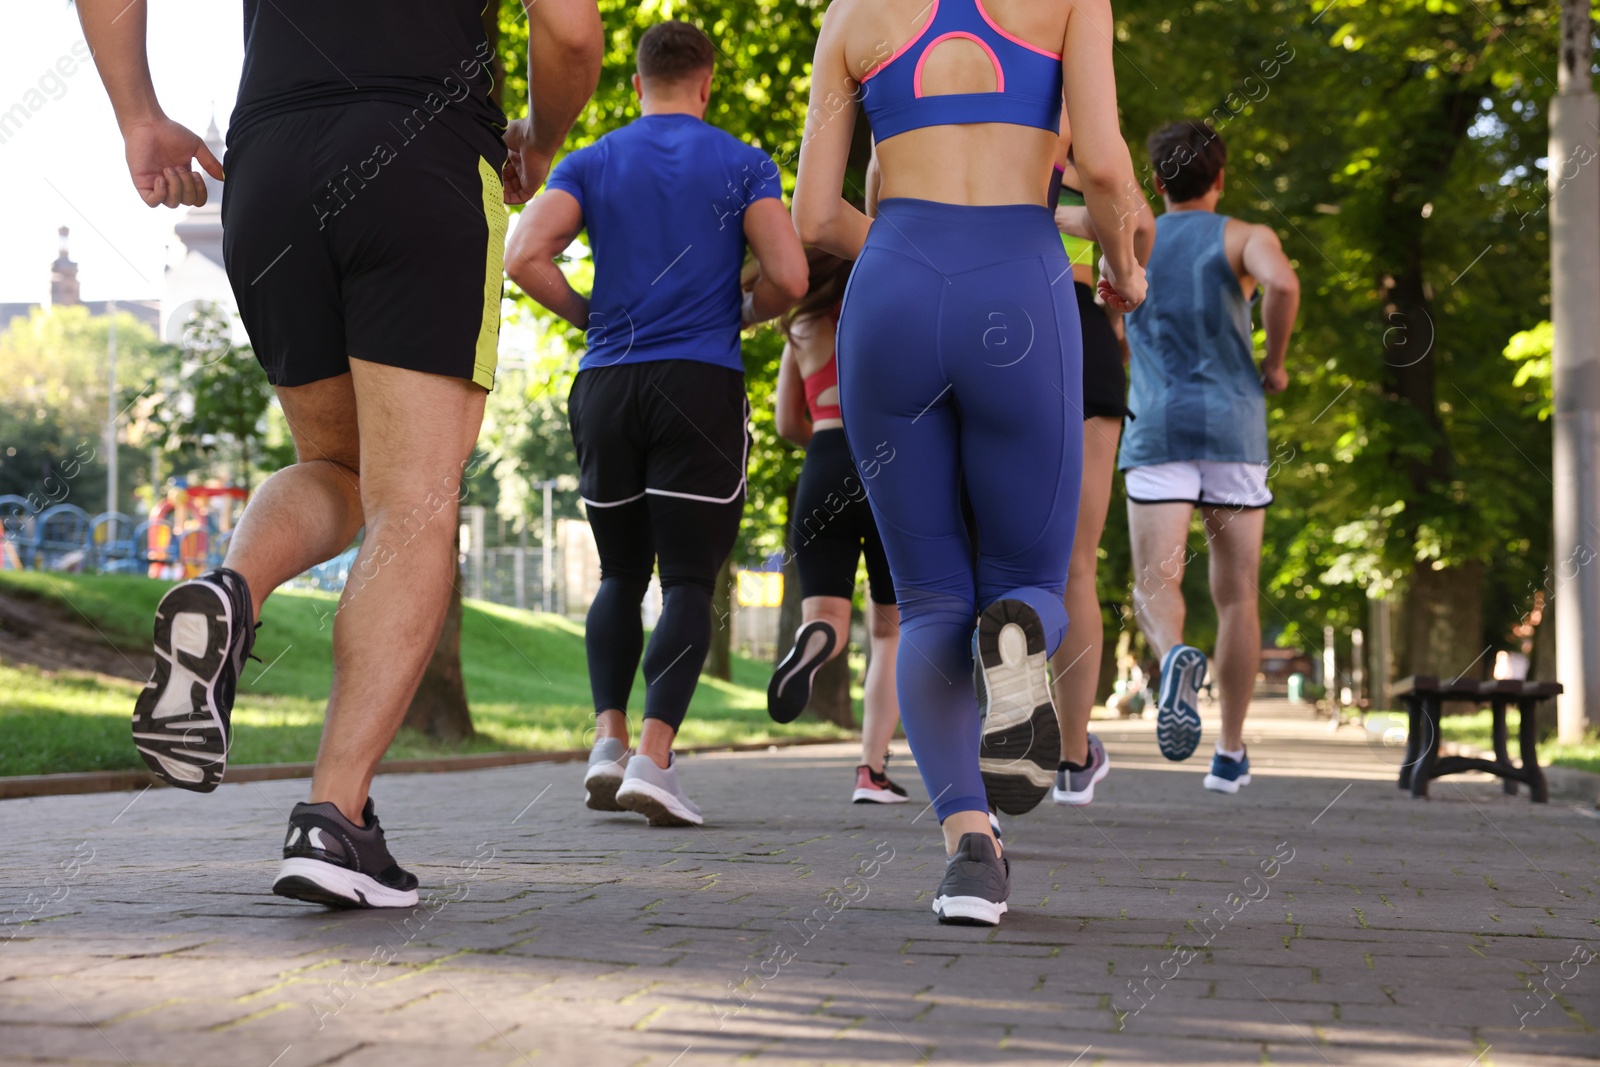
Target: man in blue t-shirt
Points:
(658, 409)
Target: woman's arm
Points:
(792, 418)
(821, 214)
(1099, 152)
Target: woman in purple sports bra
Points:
(959, 352)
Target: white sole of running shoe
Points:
(969, 911)
(877, 796)
(316, 882)
(655, 804)
(1225, 785)
(178, 727)
(601, 784)
(1083, 796)
(1021, 737)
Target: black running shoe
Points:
(1021, 742)
(977, 881)
(790, 689)
(182, 719)
(329, 860)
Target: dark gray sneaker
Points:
(977, 881)
(608, 762)
(1076, 788)
(329, 860)
(183, 718)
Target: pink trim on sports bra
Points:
(999, 74)
(1013, 38)
(933, 13)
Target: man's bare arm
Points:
(565, 46)
(1280, 301)
(159, 151)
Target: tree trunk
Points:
(1441, 631)
(830, 689)
(719, 660)
(439, 707)
(1107, 683)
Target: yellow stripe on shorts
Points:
(494, 213)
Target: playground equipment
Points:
(186, 533)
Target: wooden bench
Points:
(1424, 698)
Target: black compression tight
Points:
(691, 538)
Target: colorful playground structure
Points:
(185, 533)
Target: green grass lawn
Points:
(1478, 729)
(526, 679)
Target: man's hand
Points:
(525, 169)
(159, 157)
(1274, 378)
(1118, 293)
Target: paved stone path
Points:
(1319, 917)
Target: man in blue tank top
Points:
(1201, 436)
(658, 408)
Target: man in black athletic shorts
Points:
(365, 222)
(658, 409)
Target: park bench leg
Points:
(1422, 773)
(1502, 754)
(1413, 741)
(1528, 734)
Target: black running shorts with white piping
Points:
(366, 231)
(670, 427)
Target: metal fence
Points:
(64, 537)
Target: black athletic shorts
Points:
(365, 231)
(1105, 381)
(831, 526)
(670, 427)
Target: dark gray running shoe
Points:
(182, 721)
(1076, 788)
(329, 860)
(1021, 741)
(977, 881)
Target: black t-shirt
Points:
(430, 55)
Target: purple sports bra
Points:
(1027, 78)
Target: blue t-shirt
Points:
(663, 201)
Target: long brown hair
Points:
(829, 274)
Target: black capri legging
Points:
(831, 525)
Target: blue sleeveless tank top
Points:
(1193, 379)
(1027, 78)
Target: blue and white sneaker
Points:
(1183, 672)
(1228, 775)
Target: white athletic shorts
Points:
(1201, 482)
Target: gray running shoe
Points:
(656, 794)
(1077, 787)
(977, 881)
(1021, 740)
(607, 763)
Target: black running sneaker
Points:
(1021, 742)
(790, 689)
(329, 860)
(182, 720)
(977, 881)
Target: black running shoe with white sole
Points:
(976, 884)
(204, 631)
(329, 860)
(1021, 742)
(790, 689)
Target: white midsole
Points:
(879, 796)
(606, 771)
(345, 883)
(988, 911)
(1043, 777)
(1223, 785)
(661, 796)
